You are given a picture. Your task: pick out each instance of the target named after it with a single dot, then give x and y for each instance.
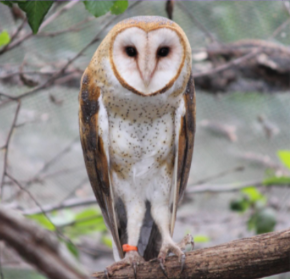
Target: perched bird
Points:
(137, 125)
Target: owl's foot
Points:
(131, 258)
(175, 248)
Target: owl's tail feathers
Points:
(154, 244)
(150, 238)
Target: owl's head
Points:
(148, 54)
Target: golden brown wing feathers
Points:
(94, 152)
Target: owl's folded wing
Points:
(184, 148)
(94, 152)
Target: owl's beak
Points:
(147, 67)
(147, 79)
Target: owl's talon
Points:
(188, 239)
(107, 273)
(182, 261)
(135, 269)
(161, 260)
(192, 245)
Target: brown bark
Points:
(245, 66)
(37, 246)
(255, 257)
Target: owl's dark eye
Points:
(163, 51)
(131, 51)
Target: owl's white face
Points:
(147, 62)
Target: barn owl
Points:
(137, 126)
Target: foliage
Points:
(284, 156)
(74, 225)
(37, 10)
(263, 220)
(99, 8)
(201, 238)
(263, 217)
(4, 38)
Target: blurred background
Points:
(241, 159)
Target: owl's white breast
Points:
(141, 133)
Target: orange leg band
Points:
(127, 248)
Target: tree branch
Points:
(38, 247)
(6, 148)
(255, 257)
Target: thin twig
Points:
(44, 168)
(7, 96)
(30, 195)
(18, 30)
(57, 228)
(203, 188)
(58, 13)
(77, 202)
(219, 175)
(14, 36)
(198, 24)
(6, 148)
(61, 171)
(280, 28)
(38, 73)
(75, 28)
(71, 193)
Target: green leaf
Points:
(119, 7)
(253, 194)
(98, 8)
(201, 239)
(265, 220)
(4, 38)
(62, 218)
(73, 249)
(284, 156)
(91, 218)
(43, 221)
(87, 213)
(35, 12)
(7, 3)
(240, 205)
(86, 222)
(282, 180)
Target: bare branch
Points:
(66, 204)
(218, 175)
(37, 177)
(30, 195)
(244, 58)
(234, 62)
(195, 21)
(6, 148)
(38, 247)
(75, 28)
(203, 188)
(255, 257)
